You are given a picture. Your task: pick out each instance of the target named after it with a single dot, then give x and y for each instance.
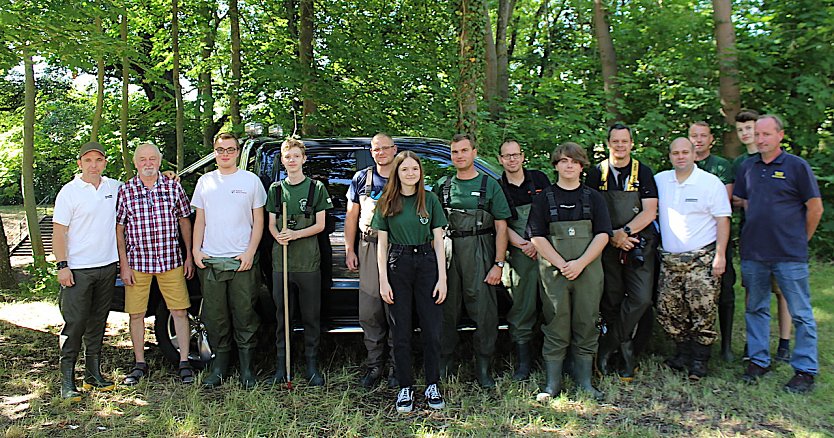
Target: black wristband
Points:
(61, 265)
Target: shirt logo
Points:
(778, 174)
(424, 220)
(571, 232)
(238, 192)
(108, 196)
(302, 204)
(475, 194)
(691, 200)
(566, 206)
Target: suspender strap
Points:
(447, 192)
(482, 194)
(369, 181)
(308, 209)
(552, 205)
(633, 178)
(586, 202)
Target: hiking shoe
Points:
(371, 377)
(800, 383)
(783, 353)
(698, 370)
(754, 372)
(433, 397)
(405, 400)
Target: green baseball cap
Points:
(91, 146)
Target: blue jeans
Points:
(792, 277)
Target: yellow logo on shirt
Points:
(778, 174)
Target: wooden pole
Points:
(286, 296)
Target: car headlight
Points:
(254, 129)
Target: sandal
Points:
(140, 370)
(185, 373)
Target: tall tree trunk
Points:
(7, 280)
(490, 67)
(608, 59)
(99, 87)
(513, 38)
(234, 92)
(28, 171)
(126, 160)
(175, 48)
(505, 12)
(308, 71)
(470, 75)
(728, 90)
(205, 86)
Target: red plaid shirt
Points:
(150, 217)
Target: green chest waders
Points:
(570, 308)
(521, 274)
(303, 254)
(471, 244)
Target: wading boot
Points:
(313, 375)
(280, 375)
(700, 358)
(92, 375)
(482, 372)
(522, 371)
(629, 361)
(219, 368)
(247, 375)
(553, 386)
(725, 319)
(582, 376)
(680, 360)
(68, 389)
(607, 347)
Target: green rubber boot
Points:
(554, 380)
(219, 368)
(92, 375)
(247, 375)
(68, 389)
(582, 369)
(482, 372)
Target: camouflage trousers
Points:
(687, 299)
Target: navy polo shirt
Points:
(776, 193)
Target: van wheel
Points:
(199, 351)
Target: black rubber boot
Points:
(522, 371)
(582, 369)
(247, 375)
(607, 347)
(553, 386)
(68, 389)
(682, 356)
(629, 361)
(482, 372)
(313, 375)
(725, 320)
(280, 375)
(219, 369)
(700, 358)
(92, 375)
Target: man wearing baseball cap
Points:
(84, 244)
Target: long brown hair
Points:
(391, 202)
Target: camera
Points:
(635, 256)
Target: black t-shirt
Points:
(534, 182)
(617, 178)
(569, 209)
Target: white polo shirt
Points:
(228, 201)
(90, 214)
(687, 211)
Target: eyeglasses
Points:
(221, 151)
(382, 149)
(512, 156)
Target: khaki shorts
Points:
(171, 284)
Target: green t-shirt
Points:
(740, 159)
(719, 167)
(296, 197)
(464, 195)
(406, 227)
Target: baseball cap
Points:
(91, 146)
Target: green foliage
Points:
(41, 286)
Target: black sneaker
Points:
(754, 372)
(800, 383)
(405, 400)
(783, 353)
(371, 377)
(433, 397)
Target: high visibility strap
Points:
(633, 178)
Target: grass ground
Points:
(658, 402)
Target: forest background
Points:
(176, 72)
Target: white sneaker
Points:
(433, 397)
(405, 400)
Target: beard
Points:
(148, 171)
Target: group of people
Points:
(585, 247)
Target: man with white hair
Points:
(150, 209)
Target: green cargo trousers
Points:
(229, 301)
(84, 307)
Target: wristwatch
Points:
(627, 230)
(61, 265)
(499, 264)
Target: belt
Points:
(689, 256)
(482, 231)
(368, 237)
(414, 249)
